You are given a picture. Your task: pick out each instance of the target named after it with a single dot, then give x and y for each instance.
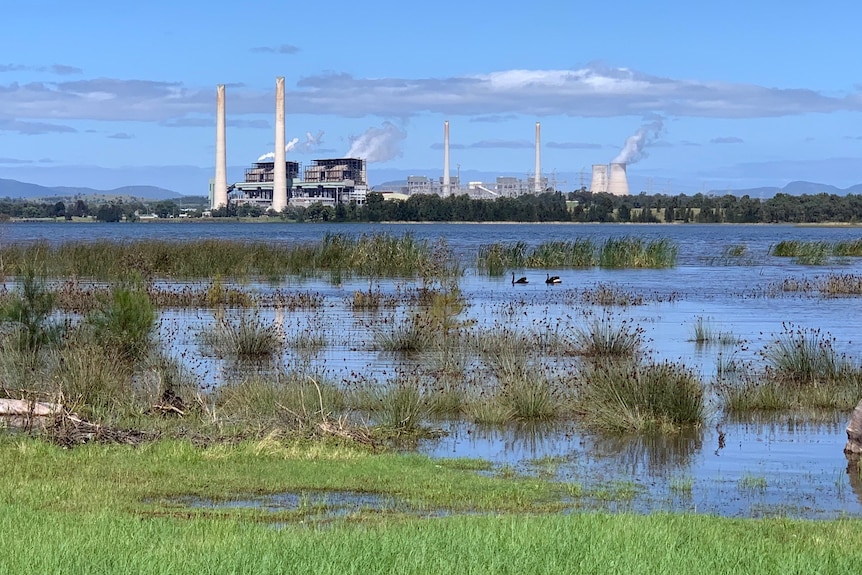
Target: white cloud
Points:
(592, 91)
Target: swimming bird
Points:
(553, 279)
(520, 280)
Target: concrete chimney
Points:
(618, 184)
(537, 186)
(446, 158)
(599, 183)
(279, 178)
(220, 186)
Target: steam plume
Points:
(633, 150)
(287, 148)
(378, 144)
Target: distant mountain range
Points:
(798, 188)
(23, 190)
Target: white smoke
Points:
(633, 150)
(290, 146)
(377, 144)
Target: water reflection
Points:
(653, 454)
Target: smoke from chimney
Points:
(289, 147)
(633, 150)
(377, 144)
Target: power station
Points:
(279, 183)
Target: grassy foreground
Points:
(108, 509)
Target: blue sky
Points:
(729, 95)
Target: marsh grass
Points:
(373, 255)
(579, 253)
(802, 356)
(802, 370)
(124, 322)
(495, 259)
(372, 300)
(631, 252)
(397, 405)
(831, 285)
(526, 390)
(29, 309)
(295, 398)
(434, 324)
(624, 396)
(683, 485)
(804, 252)
(750, 482)
(605, 336)
(92, 381)
(607, 295)
(247, 337)
(705, 333)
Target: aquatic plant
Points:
(630, 252)
(293, 397)
(703, 333)
(626, 396)
(376, 255)
(608, 295)
(604, 336)
(800, 356)
(804, 252)
(124, 322)
(29, 310)
(398, 405)
(244, 338)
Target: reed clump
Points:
(495, 259)
(398, 405)
(124, 322)
(803, 370)
(523, 389)
(804, 252)
(29, 310)
(293, 398)
(608, 295)
(606, 336)
(373, 255)
(627, 396)
(247, 337)
(630, 252)
(705, 333)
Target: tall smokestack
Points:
(618, 184)
(445, 158)
(220, 186)
(599, 183)
(537, 187)
(279, 178)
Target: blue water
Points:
(789, 465)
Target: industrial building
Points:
(610, 179)
(277, 184)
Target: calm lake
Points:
(790, 464)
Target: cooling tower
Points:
(599, 182)
(220, 184)
(537, 185)
(618, 184)
(445, 158)
(279, 178)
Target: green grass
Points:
(495, 259)
(373, 255)
(99, 509)
(621, 396)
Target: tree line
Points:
(576, 206)
(584, 206)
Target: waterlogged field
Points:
(504, 370)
